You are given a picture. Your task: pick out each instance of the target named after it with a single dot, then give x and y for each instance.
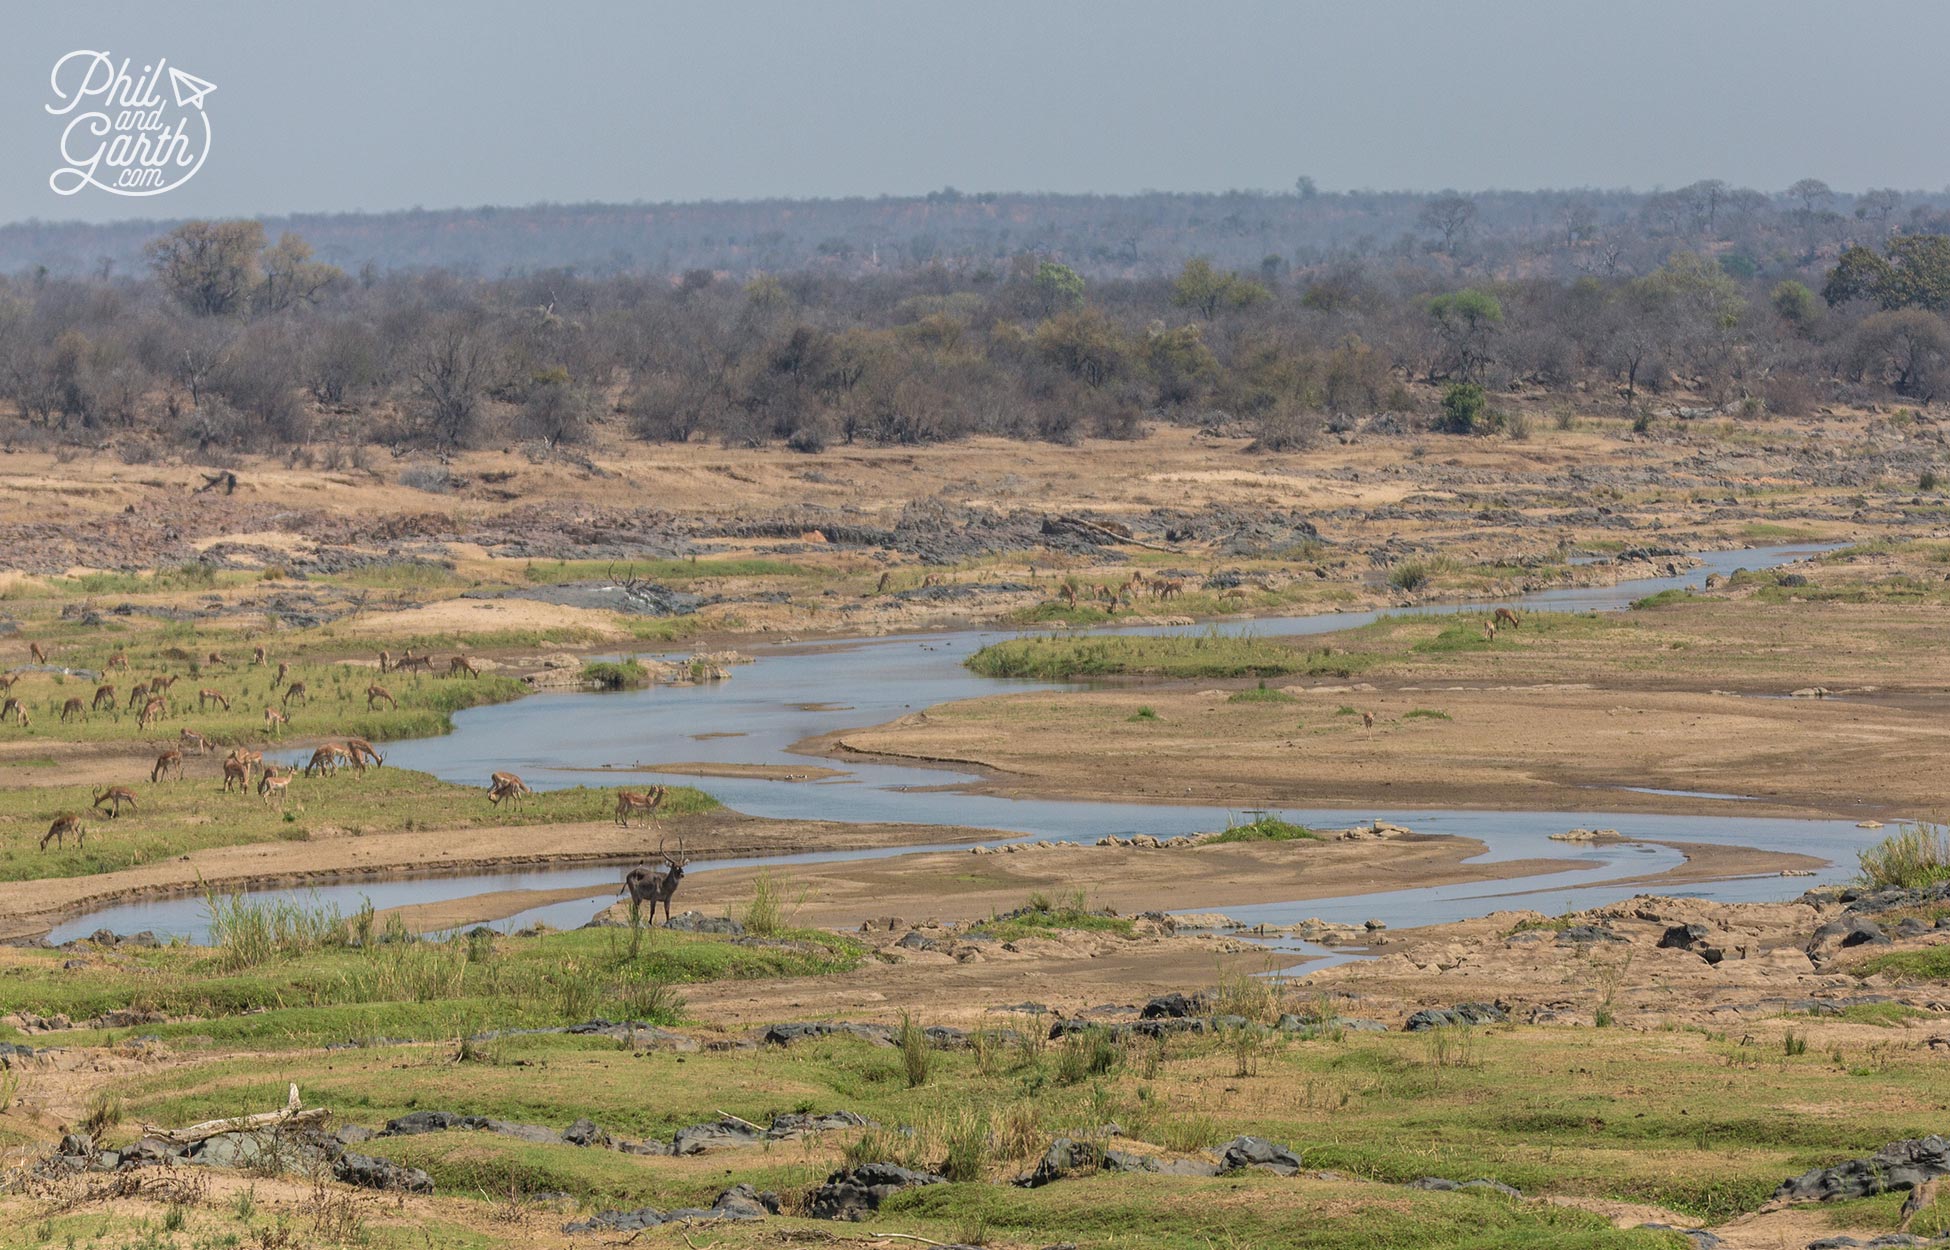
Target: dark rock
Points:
(1064, 1157)
(851, 1193)
(368, 1172)
(797, 1124)
(698, 922)
(1257, 1152)
(76, 1144)
(1461, 1013)
(535, 1133)
(150, 1151)
(427, 1122)
(786, 1034)
(1580, 934)
(1696, 938)
(585, 1133)
(1899, 1165)
(742, 1202)
(1174, 1006)
(353, 1134)
(913, 940)
(717, 1135)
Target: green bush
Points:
(1917, 856)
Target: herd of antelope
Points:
(149, 699)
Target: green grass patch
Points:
(624, 674)
(176, 817)
(1200, 655)
(1043, 914)
(1426, 713)
(1261, 694)
(1266, 829)
(1929, 964)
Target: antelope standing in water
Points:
(655, 885)
(114, 797)
(64, 825)
(647, 802)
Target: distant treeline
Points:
(220, 338)
(1135, 236)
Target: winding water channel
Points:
(794, 692)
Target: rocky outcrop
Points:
(741, 1202)
(1899, 1165)
(852, 1193)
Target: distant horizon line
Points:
(949, 193)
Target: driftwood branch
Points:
(288, 1114)
(736, 1119)
(1130, 539)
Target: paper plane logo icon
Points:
(189, 89)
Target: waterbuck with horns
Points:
(654, 885)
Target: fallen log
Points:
(288, 1114)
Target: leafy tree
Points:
(1059, 286)
(1208, 289)
(291, 276)
(1914, 272)
(1083, 344)
(210, 267)
(1907, 348)
(1795, 304)
(1466, 320)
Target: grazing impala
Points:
(152, 711)
(362, 752)
(73, 707)
(296, 690)
(38, 652)
(7, 680)
(507, 786)
(138, 694)
(104, 698)
(648, 802)
(119, 660)
(190, 738)
(274, 720)
(63, 826)
(1505, 616)
(325, 760)
(385, 661)
(114, 797)
(14, 707)
(375, 693)
(461, 664)
(257, 655)
(283, 668)
(217, 661)
(170, 761)
(273, 782)
(646, 884)
(236, 772)
(408, 660)
(206, 696)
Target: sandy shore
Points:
(1550, 747)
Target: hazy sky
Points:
(337, 105)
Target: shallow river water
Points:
(792, 693)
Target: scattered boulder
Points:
(851, 1193)
(1461, 1013)
(786, 1034)
(1899, 1165)
(1174, 1007)
(698, 922)
(1585, 934)
(1696, 938)
(368, 1172)
(1257, 1152)
(741, 1202)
